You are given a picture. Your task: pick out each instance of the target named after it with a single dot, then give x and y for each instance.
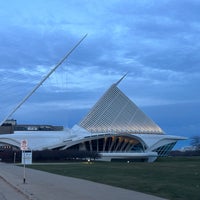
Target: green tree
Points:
(195, 142)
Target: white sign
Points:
(26, 157)
(24, 145)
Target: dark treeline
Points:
(185, 153)
(68, 155)
(49, 155)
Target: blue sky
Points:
(156, 42)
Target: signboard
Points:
(24, 145)
(26, 157)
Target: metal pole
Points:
(14, 157)
(24, 177)
(43, 80)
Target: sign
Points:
(24, 145)
(26, 157)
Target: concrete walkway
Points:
(42, 185)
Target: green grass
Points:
(171, 178)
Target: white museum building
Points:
(115, 128)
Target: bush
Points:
(49, 155)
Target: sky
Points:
(156, 42)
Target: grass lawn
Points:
(171, 178)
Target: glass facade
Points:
(110, 144)
(165, 150)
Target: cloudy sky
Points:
(156, 41)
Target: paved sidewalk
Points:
(8, 192)
(42, 185)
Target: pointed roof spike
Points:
(121, 79)
(115, 112)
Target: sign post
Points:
(24, 147)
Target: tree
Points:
(195, 142)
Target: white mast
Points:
(42, 81)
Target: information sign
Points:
(26, 157)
